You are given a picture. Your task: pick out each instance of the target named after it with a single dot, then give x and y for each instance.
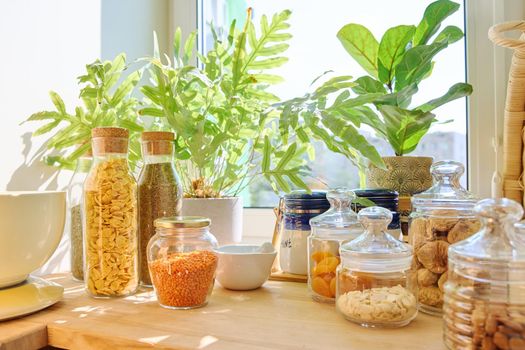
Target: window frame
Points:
(484, 70)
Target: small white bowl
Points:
(244, 267)
(31, 226)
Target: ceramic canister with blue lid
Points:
(298, 208)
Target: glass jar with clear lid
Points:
(485, 292)
(182, 261)
(338, 224)
(441, 216)
(375, 280)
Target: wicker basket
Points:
(513, 135)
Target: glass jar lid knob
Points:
(447, 171)
(499, 210)
(340, 198)
(375, 219)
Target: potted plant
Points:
(382, 99)
(106, 102)
(395, 66)
(225, 132)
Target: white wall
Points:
(44, 45)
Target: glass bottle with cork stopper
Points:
(74, 193)
(110, 217)
(329, 230)
(485, 292)
(159, 191)
(441, 216)
(375, 280)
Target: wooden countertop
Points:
(279, 315)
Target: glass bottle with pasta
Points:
(110, 220)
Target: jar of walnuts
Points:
(485, 292)
(375, 284)
(441, 216)
(110, 220)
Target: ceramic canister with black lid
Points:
(385, 198)
(298, 208)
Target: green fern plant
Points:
(226, 135)
(106, 102)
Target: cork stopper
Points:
(109, 140)
(157, 142)
(107, 131)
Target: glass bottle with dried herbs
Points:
(160, 191)
(75, 215)
(110, 217)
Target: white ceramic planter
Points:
(225, 215)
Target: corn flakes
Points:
(111, 229)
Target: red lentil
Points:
(184, 280)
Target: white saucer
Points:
(27, 297)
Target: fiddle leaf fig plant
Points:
(395, 66)
(106, 102)
(226, 135)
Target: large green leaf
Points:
(405, 128)
(367, 85)
(391, 49)
(351, 136)
(434, 14)
(450, 34)
(400, 98)
(416, 62)
(361, 44)
(458, 90)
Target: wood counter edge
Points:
(22, 334)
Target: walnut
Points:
(463, 229)
(416, 233)
(434, 256)
(442, 220)
(431, 296)
(426, 278)
(441, 282)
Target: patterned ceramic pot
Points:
(406, 175)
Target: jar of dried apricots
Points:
(441, 216)
(182, 261)
(375, 285)
(338, 224)
(110, 220)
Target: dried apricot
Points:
(321, 270)
(332, 287)
(320, 286)
(320, 255)
(330, 262)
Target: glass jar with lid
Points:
(182, 261)
(485, 292)
(159, 191)
(338, 224)
(297, 208)
(375, 284)
(441, 216)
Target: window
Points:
(314, 49)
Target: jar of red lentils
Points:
(182, 261)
